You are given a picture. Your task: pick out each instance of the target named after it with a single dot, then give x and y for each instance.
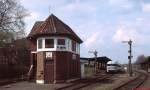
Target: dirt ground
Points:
(146, 84)
(107, 84)
(110, 83)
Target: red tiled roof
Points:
(52, 26)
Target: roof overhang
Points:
(98, 59)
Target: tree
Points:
(116, 62)
(140, 59)
(5, 38)
(12, 16)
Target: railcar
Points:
(114, 68)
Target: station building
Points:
(55, 51)
(99, 63)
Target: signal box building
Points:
(55, 51)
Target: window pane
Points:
(49, 43)
(73, 46)
(77, 47)
(61, 41)
(39, 43)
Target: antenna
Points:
(125, 41)
(95, 57)
(49, 9)
(94, 52)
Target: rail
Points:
(135, 83)
(85, 82)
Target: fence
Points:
(14, 62)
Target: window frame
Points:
(73, 44)
(62, 47)
(51, 46)
(62, 39)
(67, 47)
(40, 44)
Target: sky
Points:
(101, 24)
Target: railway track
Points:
(135, 83)
(85, 82)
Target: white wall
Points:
(82, 70)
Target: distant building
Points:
(101, 63)
(145, 65)
(55, 51)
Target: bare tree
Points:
(116, 62)
(12, 16)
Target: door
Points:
(49, 71)
(33, 66)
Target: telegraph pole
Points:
(95, 57)
(129, 57)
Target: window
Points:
(61, 41)
(49, 43)
(73, 46)
(39, 43)
(61, 44)
(77, 48)
(69, 45)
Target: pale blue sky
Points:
(101, 24)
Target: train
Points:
(114, 68)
